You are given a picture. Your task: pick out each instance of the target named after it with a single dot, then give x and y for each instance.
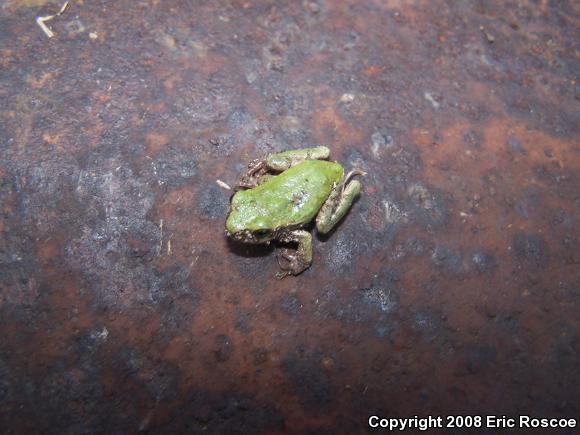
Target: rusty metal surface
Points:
(451, 287)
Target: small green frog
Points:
(282, 193)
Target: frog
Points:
(280, 195)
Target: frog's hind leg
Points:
(286, 159)
(295, 261)
(259, 170)
(256, 174)
(338, 203)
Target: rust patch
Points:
(155, 142)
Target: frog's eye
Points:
(261, 233)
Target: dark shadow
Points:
(249, 250)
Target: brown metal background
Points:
(450, 288)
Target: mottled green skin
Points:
(288, 200)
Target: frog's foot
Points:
(338, 203)
(257, 169)
(286, 159)
(295, 261)
(290, 264)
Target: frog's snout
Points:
(239, 237)
(235, 236)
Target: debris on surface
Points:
(223, 184)
(41, 20)
(432, 99)
(488, 36)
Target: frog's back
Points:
(291, 198)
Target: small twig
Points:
(194, 259)
(223, 184)
(40, 20)
(161, 236)
(63, 8)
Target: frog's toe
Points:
(290, 263)
(297, 266)
(287, 254)
(282, 274)
(285, 257)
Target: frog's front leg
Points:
(338, 203)
(295, 261)
(286, 159)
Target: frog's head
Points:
(245, 223)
